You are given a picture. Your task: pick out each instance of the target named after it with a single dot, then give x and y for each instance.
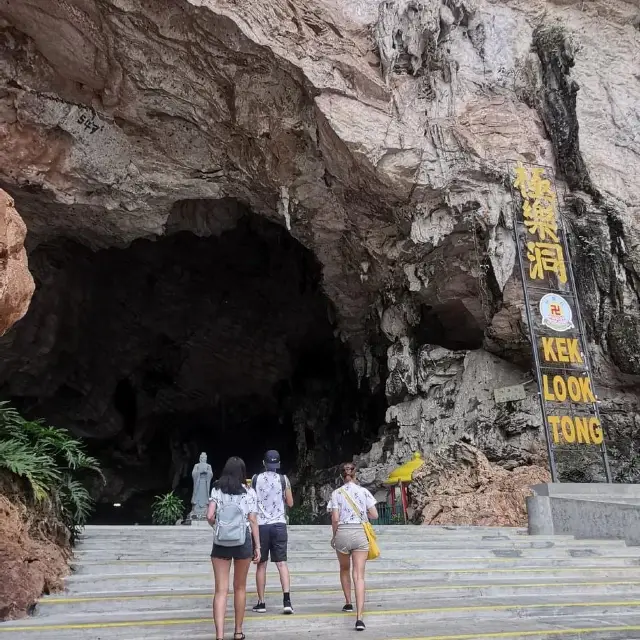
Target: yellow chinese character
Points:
(539, 187)
(540, 219)
(522, 181)
(534, 187)
(546, 257)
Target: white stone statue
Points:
(202, 475)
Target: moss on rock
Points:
(557, 103)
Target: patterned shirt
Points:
(361, 496)
(268, 488)
(248, 501)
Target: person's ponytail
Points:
(348, 471)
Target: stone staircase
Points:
(431, 583)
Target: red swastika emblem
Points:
(555, 310)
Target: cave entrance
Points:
(219, 343)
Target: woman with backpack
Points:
(232, 514)
(351, 506)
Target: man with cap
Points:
(274, 492)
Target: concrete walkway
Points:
(431, 583)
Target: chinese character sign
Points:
(545, 253)
(567, 398)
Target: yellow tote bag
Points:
(374, 549)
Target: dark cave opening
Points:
(167, 348)
(450, 325)
(125, 402)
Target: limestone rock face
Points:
(16, 283)
(459, 486)
(453, 399)
(377, 134)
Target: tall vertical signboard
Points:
(567, 399)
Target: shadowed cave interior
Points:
(167, 348)
(215, 337)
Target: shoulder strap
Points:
(220, 501)
(253, 481)
(352, 504)
(283, 484)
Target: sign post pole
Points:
(582, 332)
(536, 357)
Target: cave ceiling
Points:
(147, 105)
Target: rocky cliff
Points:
(16, 283)
(34, 548)
(377, 135)
(458, 485)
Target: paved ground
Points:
(432, 583)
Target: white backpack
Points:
(230, 528)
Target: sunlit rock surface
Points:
(16, 283)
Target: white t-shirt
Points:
(268, 488)
(361, 496)
(248, 501)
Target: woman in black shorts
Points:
(231, 486)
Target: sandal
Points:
(239, 636)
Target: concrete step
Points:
(582, 628)
(415, 613)
(305, 533)
(196, 554)
(204, 580)
(432, 583)
(320, 536)
(319, 542)
(540, 628)
(523, 605)
(92, 592)
(317, 594)
(296, 565)
(94, 531)
(125, 545)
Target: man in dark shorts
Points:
(274, 492)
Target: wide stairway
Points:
(435, 583)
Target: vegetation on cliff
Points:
(54, 464)
(43, 502)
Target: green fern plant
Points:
(67, 451)
(51, 460)
(167, 509)
(75, 500)
(32, 464)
